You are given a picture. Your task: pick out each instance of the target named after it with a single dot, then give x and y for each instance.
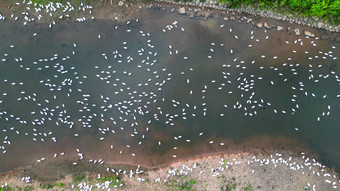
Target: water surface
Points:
(127, 90)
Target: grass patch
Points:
(227, 188)
(78, 178)
(228, 185)
(115, 181)
(45, 186)
(59, 184)
(181, 183)
(28, 188)
(6, 188)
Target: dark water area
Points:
(131, 89)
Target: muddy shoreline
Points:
(123, 11)
(264, 146)
(304, 21)
(237, 171)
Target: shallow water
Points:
(152, 91)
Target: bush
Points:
(59, 184)
(326, 9)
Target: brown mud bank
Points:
(51, 168)
(255, 145)
(238, 171)
(149, 155)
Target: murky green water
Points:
(124, 85)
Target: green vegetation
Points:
(226, 188)
(28, 188)
(248, 188)
(45, 186)
(114, 180)
(59, 184)
(229, 186)
(224, 163)
(184, 186)
(6, 188)
(78, 178)
(326, 9)
(181, 183)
